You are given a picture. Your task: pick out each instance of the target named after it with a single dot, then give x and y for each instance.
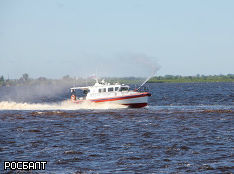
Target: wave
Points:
(188, 108)
(64, 105)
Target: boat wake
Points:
(64, 105)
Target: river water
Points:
(187, 128)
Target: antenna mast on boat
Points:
(96, 78)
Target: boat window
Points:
(116, 88)
(73, 92)
(124, 89)
(86, 91)
(99, 90)
(110, 89)
(104, 89)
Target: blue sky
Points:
(116, 38)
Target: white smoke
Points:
(126, 65)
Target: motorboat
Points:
(102, 92)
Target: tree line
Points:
(197, 78)
(25, 79)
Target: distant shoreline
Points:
(192, 79)
(187, 81)
(191, 82)
(25, 80)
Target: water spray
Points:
(152, 74)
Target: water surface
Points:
(187, 128)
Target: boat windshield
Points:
(123, 89)
(85, 92)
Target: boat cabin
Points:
(102, 89)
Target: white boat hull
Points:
(137, 100)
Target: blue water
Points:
(187, 128)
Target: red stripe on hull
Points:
(121, 98)
(130, 105)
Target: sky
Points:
(116, 38)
